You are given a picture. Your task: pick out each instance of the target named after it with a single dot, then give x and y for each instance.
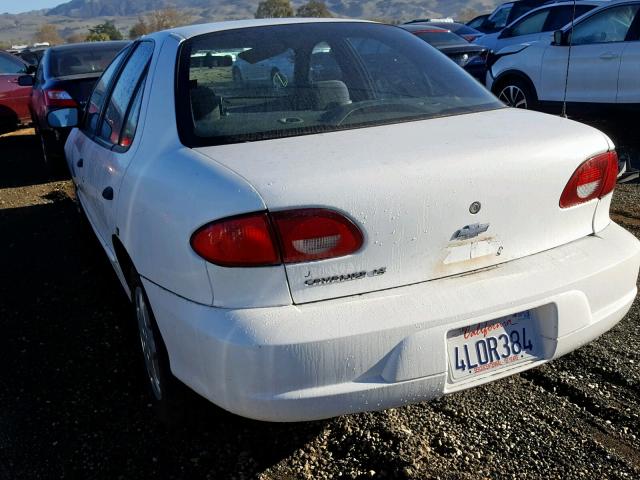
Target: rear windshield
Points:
(269, 82)
(440, 39)
(82, 60)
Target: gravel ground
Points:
(74, 405)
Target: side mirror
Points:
(558, 38)
(63, 118)
(25, 81)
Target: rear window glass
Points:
(440, 39)
(269, 82)
(80, 61)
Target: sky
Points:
(18, 6)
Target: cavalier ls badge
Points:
(316, 282)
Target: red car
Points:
(14, 99)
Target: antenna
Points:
(566, 77)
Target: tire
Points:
(52, 156)
(517, 93)
(167, 394)
(236, 74)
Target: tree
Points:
(274, 9)
(314, 8)
(48, 33)
(76, 38)
(467, 13)
(167, 18)
(104, 31)
(138, 29)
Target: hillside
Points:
(78, 15)
(244, 8)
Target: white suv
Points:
(537, 24)
(603, 63)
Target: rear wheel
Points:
(237, 75)
(517, 93)
(166, 392)
(51, 152)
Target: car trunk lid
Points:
(433, 198)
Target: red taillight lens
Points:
(58, 98)
(303, 235)
(593, 179)
(315, 234)
(245, 241)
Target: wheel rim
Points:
(513, 96)
(277, 80)
(148, 342)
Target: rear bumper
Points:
(385, 349)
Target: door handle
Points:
(80, 163)
(107, 193)
(609, 56)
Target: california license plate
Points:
(491, 346)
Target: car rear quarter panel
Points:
(169, 191)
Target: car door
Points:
(598, 42)
(81, 148)
(14, 99)
(629, 78)
(114, 140)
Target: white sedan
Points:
(385, 235)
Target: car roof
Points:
(190, 31)
(88, 45)
(601, 5)
(4, 53)
(417, 27)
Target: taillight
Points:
(245, 241)
(291, 236)
(315, 234)
(595, 178)
(58, 98)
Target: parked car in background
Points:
(477, 21)
(276, 71)
(14, 98)
(537, 24)
(65, 77)
(460, 29)
(315, 250)
(473, 58)
(506, 13)
(603, 68)
(32, 56)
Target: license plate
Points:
(491, 346)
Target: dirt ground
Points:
(73, 402)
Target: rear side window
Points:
(100, 91)
(11, 66)
(124, 91)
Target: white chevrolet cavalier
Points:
(373, 231)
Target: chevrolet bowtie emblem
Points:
(470, 231)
